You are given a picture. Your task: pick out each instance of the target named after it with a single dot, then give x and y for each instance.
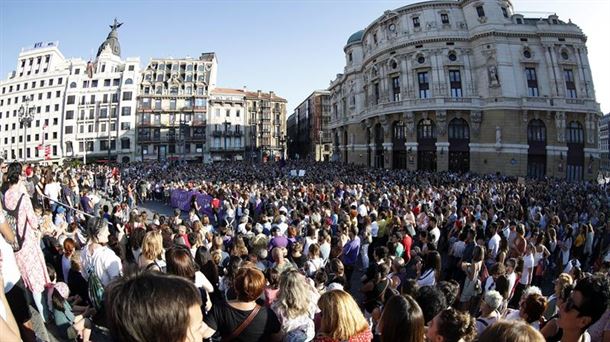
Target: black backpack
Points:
(12, 218)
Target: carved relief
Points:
(441, 117)
(560, 125)
(410, 122)
(475, 118)
(494, 80)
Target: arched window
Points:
(575, 133)
(129, 81)
(400, 130)
(73, 85)
(536, 131)
(426, 129)
(458, 129)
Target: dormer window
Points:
(445, 18)
(416, 23)
(504, 12)
(480, 11)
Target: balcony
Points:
(216, 133)
(228, 149)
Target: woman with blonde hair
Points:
(341, 319)
(295, 305)
(511, 331)
(152, 251)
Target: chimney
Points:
(258, 93)
(271, 94)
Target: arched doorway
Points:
(379, 158)
(459, 145)
(575, 138)
(426, 145)
(536, 152)
(125, 159)
(345, 142)
(399, 152)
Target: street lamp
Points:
(282, 142)
(25, 119)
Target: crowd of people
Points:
(333, 253)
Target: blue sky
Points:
(291, 47)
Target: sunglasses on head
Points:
(569, 305)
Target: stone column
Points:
(442, 156)
(411, 156)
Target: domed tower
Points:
(112, 41)
(353, 49)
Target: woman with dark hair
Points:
(226, 283)
(551, 330)
(429, 272)
(154, 307)
(243, 319)
(565, 247)
(402, 320)
(206, 265)
(472, 285)
(30, 259)
(451, 325)
(532, 308)
(180, 263)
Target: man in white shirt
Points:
(494, 242)
(435, 232)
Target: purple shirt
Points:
(351, 250)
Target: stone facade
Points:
(311, 138)
(467, 86)
(267, 123)
(604, 145)
(173, 107)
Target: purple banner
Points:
(181, 199)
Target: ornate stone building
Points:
(173, 106)
(604, 143)
(310, 138)
(467, 85)
(267, 124)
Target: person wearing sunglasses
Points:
(585, 306)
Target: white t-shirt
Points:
(374, 229)
(52, 190)
(528, 265)
(107, 264)
(427, 278)
(10, 271)
(493, 245)
(512, 278)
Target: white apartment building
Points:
(36, 86)
(81, 109)
(227, 125)
(172, 108)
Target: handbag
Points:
(12, 219)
